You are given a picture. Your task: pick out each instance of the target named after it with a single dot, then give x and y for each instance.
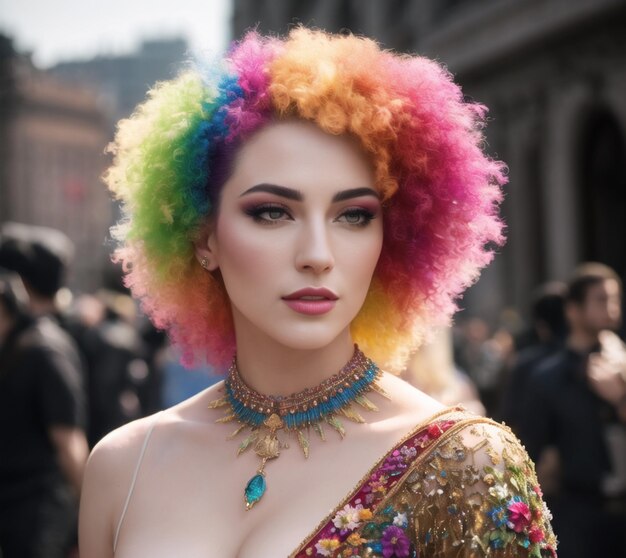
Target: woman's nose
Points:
(314, 252)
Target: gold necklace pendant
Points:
(266, 447)
(264, 416)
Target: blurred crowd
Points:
(561, 387)
(73, 368)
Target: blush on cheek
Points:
(242, 249)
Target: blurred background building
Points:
(123, 80)
(553, 75)
(54, 129)
(53, 136)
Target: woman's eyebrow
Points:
(296, 195)
(354, 193)
(282, 191)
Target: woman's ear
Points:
(205, 247)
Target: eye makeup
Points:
(267, 213)
(270, 213)
(357, 216)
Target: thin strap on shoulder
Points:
(134, 479)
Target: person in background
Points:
(42, 442)
(548, 334)
(482, 355)
(575, 403)
(43, 403)
(41, 257)
(432, 370)
(116, 364)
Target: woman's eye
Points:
(357, 217)
(273, 213)
(268, 214)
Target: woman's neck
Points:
(273, 369)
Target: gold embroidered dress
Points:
(457, 486)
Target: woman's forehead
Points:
(300, 155)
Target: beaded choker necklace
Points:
(262, 416)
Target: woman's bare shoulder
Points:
(120, 448)
(106, 483)
(115, 457)
(409, 402)
(111, 465)
(114, 460)
(122, 444)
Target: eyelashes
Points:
(358, 217)
(269, 214)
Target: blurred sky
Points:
(56, 30)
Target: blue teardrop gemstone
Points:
(254, 490)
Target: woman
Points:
(307, 194)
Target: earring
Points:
(204, 263)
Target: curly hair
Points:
(440, 191)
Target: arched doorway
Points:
(602, 187)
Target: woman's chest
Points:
(215, 522)
(197, 503)
(195, 500)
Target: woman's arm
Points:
(95, 524)
(480, 498)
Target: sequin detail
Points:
(462, 487)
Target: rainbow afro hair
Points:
(440, 191)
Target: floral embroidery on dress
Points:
(517, 519)
(469, 491)
(359, 529)
(492, 493)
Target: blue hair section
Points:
(205, 140)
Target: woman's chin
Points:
(310, 338)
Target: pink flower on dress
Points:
(519, 515)
(535, 534)
(395, 542)
(434, 430)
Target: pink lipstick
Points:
(311, 301)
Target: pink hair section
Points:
(438, 223)
(249, 60)
(192, 306)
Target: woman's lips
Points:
(310, 307)
(311, 301)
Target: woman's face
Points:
(297, 235)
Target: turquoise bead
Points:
(255, 489)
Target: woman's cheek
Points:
(246, 252)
